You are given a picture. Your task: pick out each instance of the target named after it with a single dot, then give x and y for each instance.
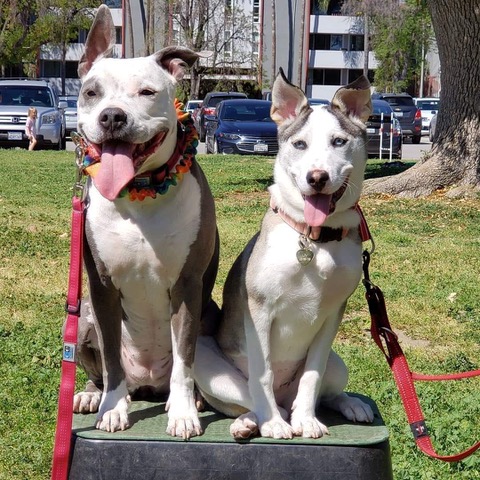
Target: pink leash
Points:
(386, 339)
(63, 434)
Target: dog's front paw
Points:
(113, 419)
(353, 408)
(181, 423)
(277, 427)
(308, 426)
(86, 402)
(245, 426)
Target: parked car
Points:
(70, 112)
(432, 127)
(389, 129)
(16, 97)
(192, 105)
(208, 108)
(243, 127)
(428, 107)
(406, 111)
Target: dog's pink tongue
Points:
(316, 209)
(116, 169)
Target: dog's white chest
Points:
(301, 298)
(144, 242)
(143, 248)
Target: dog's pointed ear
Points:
(287, 100)
(100, 40)
(177, 59)
(354, 99)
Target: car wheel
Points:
(215, 146)
(62, 145)
(201, 133)
(416, 139)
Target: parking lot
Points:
(410, 150)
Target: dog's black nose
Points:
(113, 119)
(317, 179)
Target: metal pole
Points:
(381, 135)
(391, 138)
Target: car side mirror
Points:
(62, 104)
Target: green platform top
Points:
(148, 422)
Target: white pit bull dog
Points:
(271, 362)
(151, 249)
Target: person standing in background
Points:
(30, 127)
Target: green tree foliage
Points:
(59, 21)
(397, 31)
(15, 18)
(400, 41)
(26, 25)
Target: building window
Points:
(356, 43)
(228, 43)
(50, 68)
(327, 76)
(256, 11)
(255, 40)
(353, 74)
(322, 41)
(317, 8)
(113, 3)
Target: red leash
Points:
(404, 378)
(63, 434)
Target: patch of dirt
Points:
(405, 340)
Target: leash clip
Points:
(80, 149)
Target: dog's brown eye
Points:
(339, 142)
(147, 92)
(91, 93)
(300, 145)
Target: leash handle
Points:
(386, 339)
(63, 433)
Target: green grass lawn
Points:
(427, 263)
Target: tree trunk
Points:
(366, 42)
(454, 161)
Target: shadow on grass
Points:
(384, 169)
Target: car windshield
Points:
(428, 104)
(379, 109)
(400, 101)
(214, 101)
(246, 113)
(24, 95)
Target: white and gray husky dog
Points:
(271, 362)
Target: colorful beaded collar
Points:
(157, 182)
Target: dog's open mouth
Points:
(119, 162)
(319, 206)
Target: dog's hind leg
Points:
(332, 394)
(223, 386)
